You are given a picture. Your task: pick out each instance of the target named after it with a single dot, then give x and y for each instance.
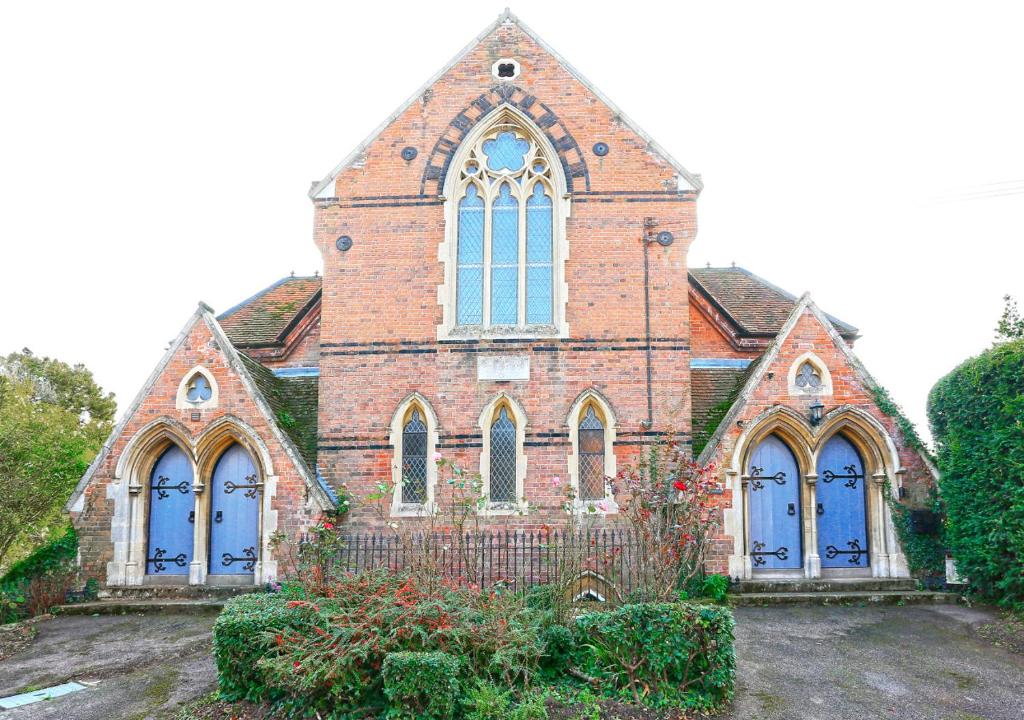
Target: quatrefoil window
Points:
(198, 389)
(808, 377)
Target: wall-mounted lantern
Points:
(817, 412)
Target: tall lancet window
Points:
(507, 208)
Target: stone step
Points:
(177, 592)
(855, 597)
(118, 606)
(803, 585)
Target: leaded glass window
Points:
(503, 458)
(414, 459)
(591, 456)
(808, 377)
(506, 244)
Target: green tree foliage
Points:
(53, 420)
(977, 418)
(1011, 324)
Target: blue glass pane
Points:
(199, 390)
(504, 295)
(538, 226)
(505, 152)
(538, 294)
(470, 296)
(471, 227)
(505, 228)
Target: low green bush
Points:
(35, 583)
(247, 629)
(660, 654)
(486, 701)
(421, 685)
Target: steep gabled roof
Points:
(266, 318)
(755, 306)
(244, 367)
(294, 401)
(323, 188)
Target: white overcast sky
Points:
(156, 154)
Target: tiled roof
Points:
(294, 401)
(754, 304)
(712, 392)
(266, 318)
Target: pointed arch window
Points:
(414, 459)
(503, 458)
(507, 208)
(591, 456)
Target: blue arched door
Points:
(841, 510)
(171, 514)
(234, 514)
(774, 492)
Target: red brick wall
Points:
(93, 522)
(384, 289)
(707, 340)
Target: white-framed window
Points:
(502, 457)
(809, 375)
(592, 464)
(413, 469)
(197, 390)
(505, 245)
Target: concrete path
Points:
(849, 663)
(795, 663)
(143, 666)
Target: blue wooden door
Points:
(234, 514)
(841, 510)
(774, 491)
(171, 514)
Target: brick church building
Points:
(505, 283)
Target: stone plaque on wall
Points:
(502, 367)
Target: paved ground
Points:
(814, 663)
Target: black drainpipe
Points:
(664, 238)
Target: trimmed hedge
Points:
(246, 630)
(661, 654)
(421, 685)
(977, 418)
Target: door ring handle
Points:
(219, 517)
(192, 516)
(792, 509)
(821, 509)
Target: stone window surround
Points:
(487, 417)
(181, 401)
(795, 390)
(602, 408)
(129, 523)
(881, 463)
(448, 249)
(398, 508)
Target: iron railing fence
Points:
(598, 564)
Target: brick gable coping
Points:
(204, 313)
(323, 189)
(762, 365)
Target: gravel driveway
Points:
(795, 663)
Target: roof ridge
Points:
(261, 293)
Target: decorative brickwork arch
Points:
(573, 162)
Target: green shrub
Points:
(35, 583)
(660, 654)
(421, 685)
(486, 701)
(715, 588)
(249, 627)
(977, 418)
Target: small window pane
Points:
(505, 259)
(591, 457)
(199, 389)
(539, 267)
(808, 376)
(414, 460)
(503, 459)
(470, 288)
(505, 152)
